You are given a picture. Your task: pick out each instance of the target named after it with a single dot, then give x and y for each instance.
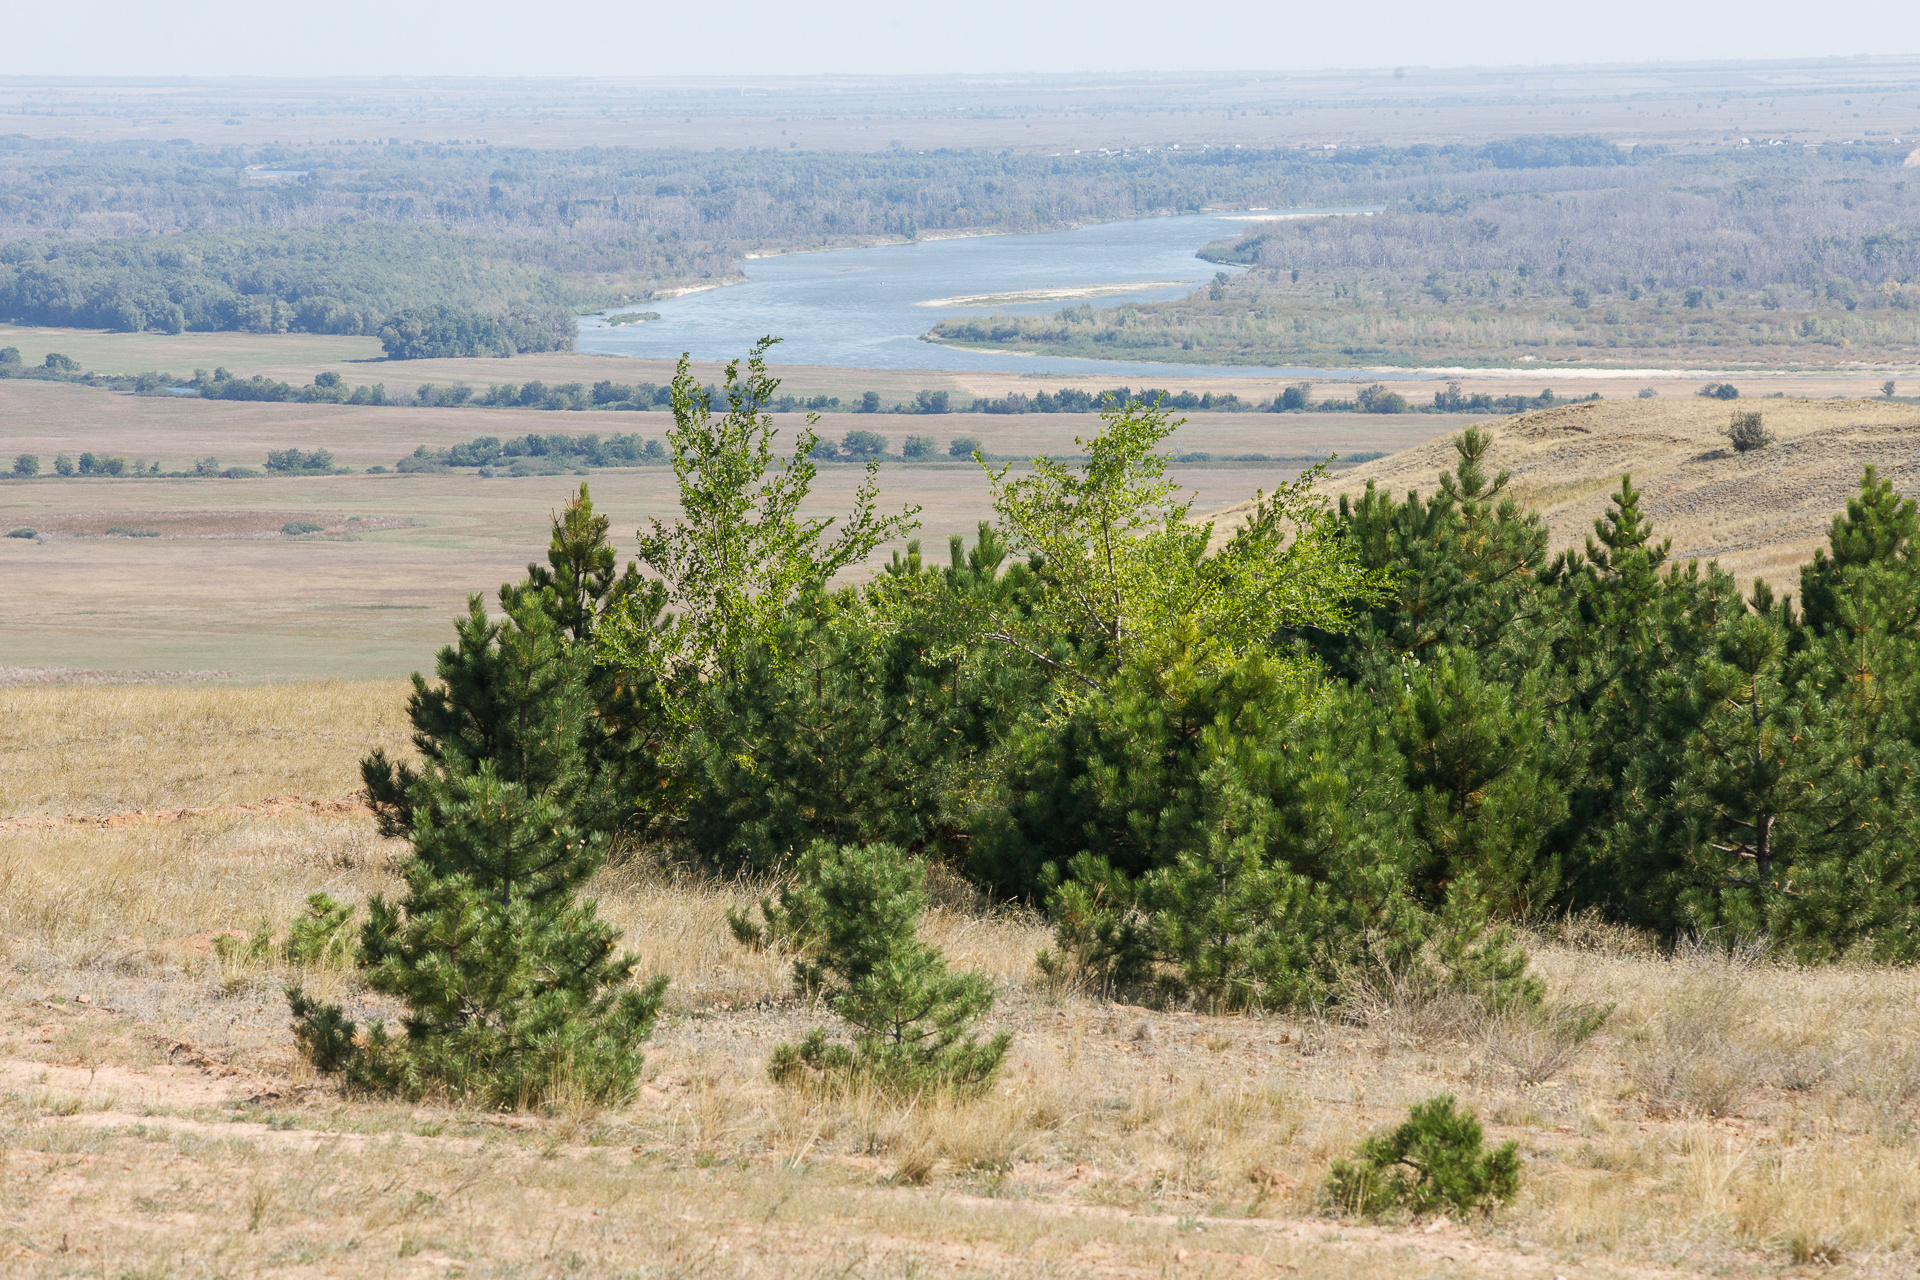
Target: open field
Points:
(1732, 1118)
(221, 588)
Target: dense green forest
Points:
(483, 250)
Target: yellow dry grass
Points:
(1733, 1117)
(106, 749)
(1760, 514)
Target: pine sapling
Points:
(912, 1019)
(322, 935)
(515, 992)
(1435, 1161)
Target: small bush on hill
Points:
(323, 934)
(855, 914)
(1748, 432)
(1435, 1161)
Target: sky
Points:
(202, 38)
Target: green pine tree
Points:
(1623, 628)
(523, 692)
(1436, 1160)
(515, 993)
(911, 1018)
(1487, 768)
(1785, 814)
(1464, 563)
(530, 757)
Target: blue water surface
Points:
(855, 308)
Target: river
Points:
(866, 308)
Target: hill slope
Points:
(1760, 514)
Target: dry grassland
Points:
(1732, 1118)
(1760, 514)
(220, 588)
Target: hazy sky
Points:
(758, 37)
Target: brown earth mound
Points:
(1760, 513)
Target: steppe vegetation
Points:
(1499, 859)
(1234, 850)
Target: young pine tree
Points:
(522, 692)
(1790, 818)
(514, 990)
(860, 910)
(1465, 565)
(1436, 1160)
(515, 993)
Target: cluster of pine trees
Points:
(1346, 740)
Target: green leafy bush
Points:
(1435, 1161)
(23, 533)
(856, 911)
(294, 528)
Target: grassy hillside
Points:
(1760, 514)
(1733, 1118)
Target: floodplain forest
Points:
(1335, 751)
(1553, 248)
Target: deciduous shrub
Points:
(1748, 432)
